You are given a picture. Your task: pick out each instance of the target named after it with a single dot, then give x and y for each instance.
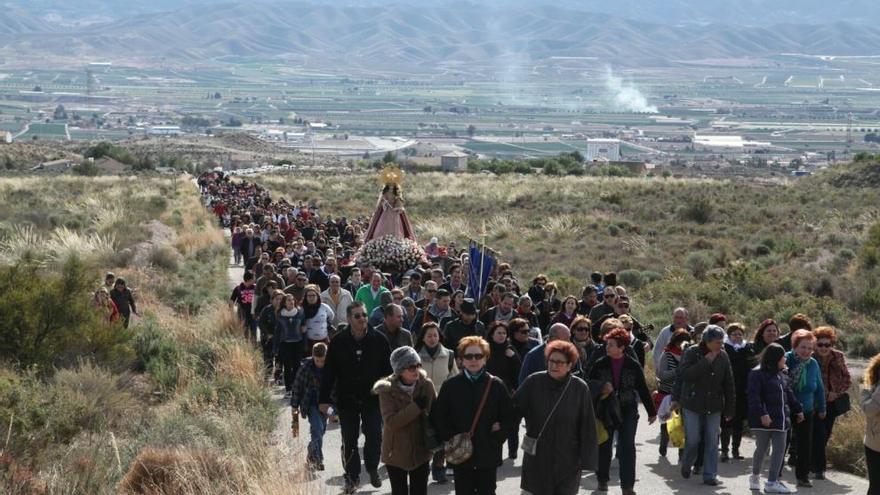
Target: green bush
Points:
(630, 278)
(699, 263)
(698, 209)
(159, 355)
(869, 255)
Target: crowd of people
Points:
(434, 380)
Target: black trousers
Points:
(872, 459)
(290, 354)
(405, 482)
(470, 481)
(731, 431)
(803, 445)
(822, 429)
(352, 422)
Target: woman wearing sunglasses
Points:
(457, 406)
(836, 380)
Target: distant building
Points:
(5, 137)
(454, 161)
(165, 130)
(603, 149)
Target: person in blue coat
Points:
(771, 403)
(534, 360)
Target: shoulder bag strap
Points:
(547, 421)
(482, 404)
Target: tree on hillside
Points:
(389, 158)
(59, 113)
(471, 130)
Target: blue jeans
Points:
(707, 427)
(317, 427)
(626, 449)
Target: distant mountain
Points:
(731, 12)
(411, 36)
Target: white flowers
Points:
(391, 254)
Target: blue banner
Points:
(480, 263)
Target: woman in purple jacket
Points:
(771, 404)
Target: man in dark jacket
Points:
(466, 324)
(356, 359)
(439, 312)
(392, 327)
(600, 310)
(121, 296)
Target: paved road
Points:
(654, 474)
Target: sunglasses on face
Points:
(414, 367)
(472, 357)
(580, 329)
(358, 316)
(824, 345)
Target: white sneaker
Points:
(755, 482)
(777, 487)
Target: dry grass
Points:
(61, 245)
(240, 362)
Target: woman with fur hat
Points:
(405, 399)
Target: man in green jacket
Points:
(369, 294)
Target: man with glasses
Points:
(428, 296)
(356, 359)
(298, 288)
(534, 360)
(321, 276)
(598, 313)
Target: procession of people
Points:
(438, 369)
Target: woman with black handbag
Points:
(472, 415)
(561, 439)
(837, 380)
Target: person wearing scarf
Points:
(742, 360)
(317, 318)
(288, 342)
(806, 381)
(568, 312)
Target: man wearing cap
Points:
(357, 359)
(704, 389)
(466, 324)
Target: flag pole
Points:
(482, 263)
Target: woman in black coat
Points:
(504, 363)
(742, 360)
(456, 407)
(623, 376)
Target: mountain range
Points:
(423, 34)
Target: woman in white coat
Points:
(439, 363)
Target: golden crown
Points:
(391, 175)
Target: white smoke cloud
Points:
(624, 97)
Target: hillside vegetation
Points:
(177, 402)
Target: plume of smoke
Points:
(624, 96)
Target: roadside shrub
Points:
(869, 255)
(159, 355)
(166, 471)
